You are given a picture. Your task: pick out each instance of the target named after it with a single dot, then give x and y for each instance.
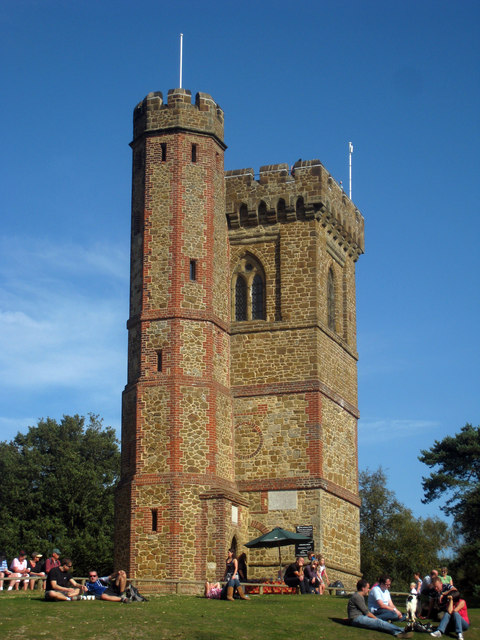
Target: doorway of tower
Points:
(234, 545)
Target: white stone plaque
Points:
(234, 514)
(282, 500)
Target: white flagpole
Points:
(350, 151)
(181, 58)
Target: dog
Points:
(411, 608)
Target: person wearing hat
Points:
(37, 569)
(19, 570)
(53, 562)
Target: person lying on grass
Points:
(111, 588)
(212, 590)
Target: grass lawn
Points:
(270, 617)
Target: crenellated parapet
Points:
(281, 195)
(178, 113)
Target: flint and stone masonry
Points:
(240, 410)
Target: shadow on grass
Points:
(343, 621)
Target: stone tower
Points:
(177, 487)
(240, 411)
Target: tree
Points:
(392, 540)
(57, 490)
(456, 477)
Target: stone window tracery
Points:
(248, 289)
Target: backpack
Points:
(134, 595)
(340, 591)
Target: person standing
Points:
(231, 577)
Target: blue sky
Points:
(296, 80)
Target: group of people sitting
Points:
(59, 583)
(310, 578)
(24, 568)
(434, 595)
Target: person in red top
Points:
(456, 616)
(54, 561)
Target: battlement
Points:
(280, 195)
(152, 114)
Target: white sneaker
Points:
(460, 636)
(436, 634)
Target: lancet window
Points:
(248, 290)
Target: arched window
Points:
(240, 299)
(331, 299)
(248, 289)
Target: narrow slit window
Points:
(194, 152)
(159, 360)
(163, 147)
(193, 269)
(155, 520)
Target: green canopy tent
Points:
(277, 537)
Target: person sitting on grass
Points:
(213, 590)
(360, 616)
(456, 617)
(380, 602)
(60, 585)
(111, 588)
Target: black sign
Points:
(302, 548)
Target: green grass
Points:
(270, 617)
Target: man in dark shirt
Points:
(294, 575)
(60, 585)
(360, 616)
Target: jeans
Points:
(375, 624)
(455, 619)
(386, 614)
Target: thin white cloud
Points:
(385, 429)
(62, 314)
